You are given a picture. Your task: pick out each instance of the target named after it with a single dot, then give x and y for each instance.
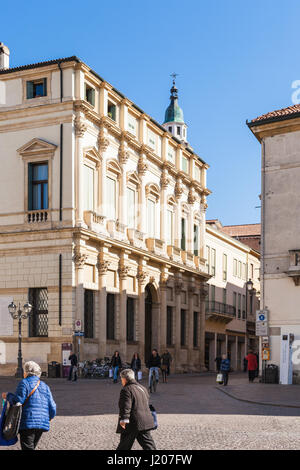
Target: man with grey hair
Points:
(135, 418)
(39, 407)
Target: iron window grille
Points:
(38, 321)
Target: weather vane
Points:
(174, 75)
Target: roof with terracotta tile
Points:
(242, 230)
(279, 114)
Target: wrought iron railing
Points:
(219, 307)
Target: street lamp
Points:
(20, 315)
(249, 288)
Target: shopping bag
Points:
(154, 415)
(5, 442)
(220, 379)
(111, 373)
(140, 375)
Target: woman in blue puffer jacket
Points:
(38, 409)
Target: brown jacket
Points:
(134, 406)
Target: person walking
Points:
(153, 365)
(165, 365)
(252, 366)
(245, 362)
(218, 361)
(136, 365)
(73, 368)
(39, 407)
(225, 368)
(135, 418)
(116, 364)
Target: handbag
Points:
(154, 414)
(4, 442)
(220, 379)
(13, 417)
(140, 375)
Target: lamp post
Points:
(20, 315)
(249, 288)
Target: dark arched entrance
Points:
(148, 322)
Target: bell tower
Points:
(174, 120)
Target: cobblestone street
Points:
(193, 414)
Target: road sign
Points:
(79, 333)
(265, 354)
(262, 315)
(261, 328)
(78, 325)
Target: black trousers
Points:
(252, 375)
(29, 438)
(144, 438)
(225, 377)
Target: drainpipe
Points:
(262, 246)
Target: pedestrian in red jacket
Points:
(252, 365)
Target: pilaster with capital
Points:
(178, 285)
(203, 291)
(80, 127)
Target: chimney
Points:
(4, 57)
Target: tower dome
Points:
(174, 120)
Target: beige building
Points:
(232, 302)
(279, 135)
(102, 219)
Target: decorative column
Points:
(190, 325)
(142, 280)
(142, 168)
(123, 274)
(203, 295)
(178, 194)
(102, 266)
(79, 259)
(190, 239)
(178, 285)
(103, 144)
(203, 207)
(163, 285)
(216, 348)
(164, 182)
(80, 129)
(123, 158)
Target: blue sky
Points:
(235, 60)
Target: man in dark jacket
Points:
(154, 364)
(135, 418)
(74, 362)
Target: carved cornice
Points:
(103, 141)
(178, 189)
(203, 290)
(164, 279)
(178, 286)
(192, 197)
(123, 153)
(191, 288)
(79, 258)
(165, 180)
(142, 166)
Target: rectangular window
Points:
(171, 154)
(196, 329)
(111, 197)
(197, 173)
(240, 269)
(151, 139)
(89, 94)
(111, 111)
(37, 186)
(234, 301)
(36, 88)
(235, 268)
(170, 227)
(183, 234)
(196, 240)
(130, 319)
(88, 313)
(224, 296)
(178, 130)
(132, 124)
(244, 307)
(212, 293)
(88, 194)
(184, 164)
(208, 259)
(213, 262)
(239, 305)
(244, 273)
(131, 210)
(224, 267)
(183, 328)
(110, 316)
(251, 271)
(151, 218)
(38, 320)
(169, 326)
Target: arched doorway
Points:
(148, 321)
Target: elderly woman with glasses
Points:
(39, 407)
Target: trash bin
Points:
(271, 374)
(54, 370)
(65, 371)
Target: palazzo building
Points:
(234, 292)
(102, 220)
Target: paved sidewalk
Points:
(239, 388)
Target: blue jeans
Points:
(156, 374)
(116, 370)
